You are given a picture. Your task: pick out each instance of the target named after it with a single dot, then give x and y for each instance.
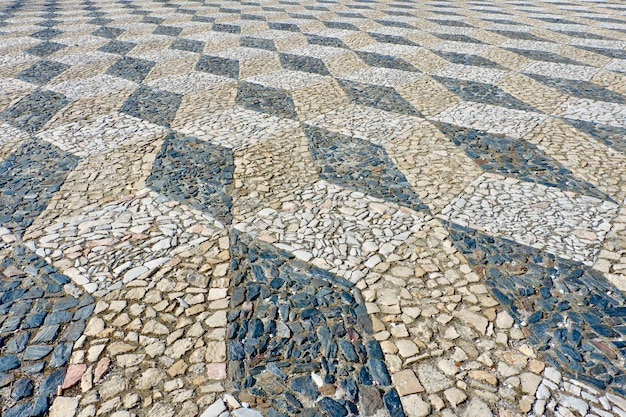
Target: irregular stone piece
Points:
(432, 380)
(64, 407)
(73, 375)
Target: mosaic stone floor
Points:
(390, 208)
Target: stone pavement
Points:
(312, 208)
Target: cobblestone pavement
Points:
(388, 208)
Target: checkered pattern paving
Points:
(309, 148)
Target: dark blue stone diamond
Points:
(34, 110)
(218, 66)
(504, 155)
(154, 105)
(377, 96)
(581, 89)
(117, 47)
(132, 69)
(303, 63)
(360, 165)
(508, 267)
(306, 318)
(28, 179)
(208, 188)
(265, 99)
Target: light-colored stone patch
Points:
(614, 81)
(391, 49)
(426, 61)
(434, 166)
(532, 92)
(257, 181)
(612, 114)
(100, 85)
(288, 80)
(588, 158)
(12, 90)
(612, 256)
(238, 127)
(317, 51)
(531, 45)
(17, 45)
(81, 72)
(252, 61)
(617, 65)
(505, 58)
(216, 41)
(331, 227)
(188, 83)
(599, 43)
(375, 125)
(196, 107)
(320, 98)
(460, 47)
(567, 71)
(383, 76)
(16, 58)
(86, 58)
(471, 73)
(494, 119)
(565, 224)
(101, 134)
(428, 96)
(583, 56)
(88, 108)
(77, 44)
(10, 139)
(157, 345)
(106, 246)
(172, 68)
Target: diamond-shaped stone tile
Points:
(47, 34)
(154, 105)
(32, 296)
(385, 61)
(360, 165)
(467, 59)
(526, 280)
(117, 47)
(187, 45)
(132, 69)
(303, 63)
(273, 101)
(483, 93)
(219, 66)
(28, 178)
(42, 72)
(167, 30)
(196, 173)
(339, 305)
(45, 49)
(108, 32)
(34, 110)
(380, 97)
(517, 158)
(255, 42)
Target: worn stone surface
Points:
(312, 208)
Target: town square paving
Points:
(390, 208)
